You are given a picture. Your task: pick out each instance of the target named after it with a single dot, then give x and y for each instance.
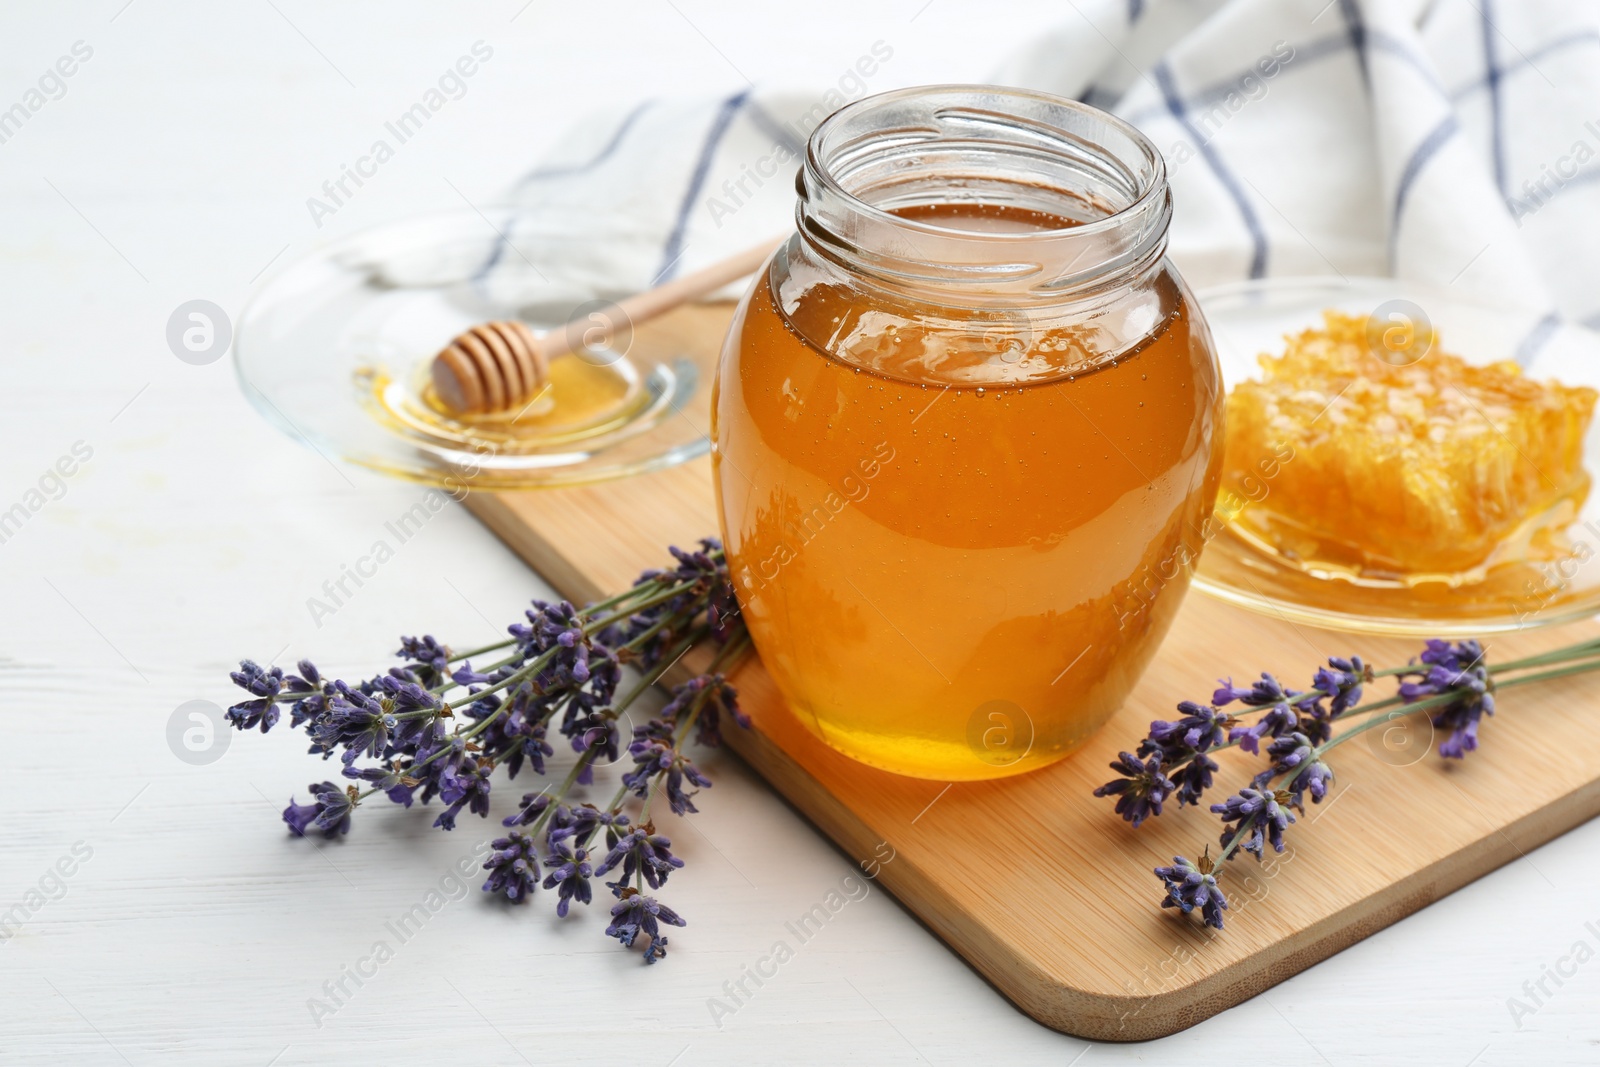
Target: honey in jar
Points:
(967, 432)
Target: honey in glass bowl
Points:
(967, 432)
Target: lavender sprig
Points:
(438, 727)
(1452, 682)
(1455, 669)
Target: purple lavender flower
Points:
(1460, 670)
(440, 755)
(707, 578)
(309, 680)
(465, 784)
(409, 698)
(1278, 720)
(300, 816)
(404, 777)
(683, 698)
(1260, 815)
(465, 675)
(513, 867)
(313, 702)
(264, 685)
(308, 710)
(337, 804)
(1193, 778)
(1202, 727)
(677, 799)
(572, 818)
(724, 701)
(554, 628)
(528, 812)
(616, 825)
(598, 732)
(644, 852)
(1295, 754)
(417, 714)
(529, 744)
(355, 722)
(569, 872)
(708, 697)
(637, 914)
(1181, 745)
(1342, 679)
(329, 811)
(1315, 779)
(388, 778)
(1290, 751)
(1461, 656)
(1261, 693)
(519, 734)
(650, 757)
(595, 695)
(1140, 791)
(561, 672)
(581, 822)
(658, 761)
(1190, 886)
(424, 651)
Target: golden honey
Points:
(936, 519)
(1405, 471)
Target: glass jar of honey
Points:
(967, 431)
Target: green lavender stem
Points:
(1439, 700)
(728, 653)
(1496, 672)
(597, 616)
(561, 793)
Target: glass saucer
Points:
(335, 348)
(1250, 318)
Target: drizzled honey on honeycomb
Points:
(1435, 469)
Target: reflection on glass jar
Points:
(967, 431)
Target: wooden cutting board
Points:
(1036, 882)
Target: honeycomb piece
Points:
(1434, 469)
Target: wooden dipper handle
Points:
(500, 366)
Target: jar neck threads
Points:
(983, 147)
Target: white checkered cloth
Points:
(1447, 142)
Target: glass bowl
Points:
(334, 350)
(1253, 317)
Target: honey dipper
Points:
(496, 367)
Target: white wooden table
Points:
(188, 927)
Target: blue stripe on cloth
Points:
(763, 120)
(538, 174)
(1491, 66)
(672, 251)
(1526, 62)
(605, 153)
(1378, 40)
(1357, 29)
(1247, 213)
(1426, 149)
(1217, 92)
(1135, 11)
(1305, 56)
(1103, 99)
(1537, 338)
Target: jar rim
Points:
(1000, 136)
(1151, 188)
